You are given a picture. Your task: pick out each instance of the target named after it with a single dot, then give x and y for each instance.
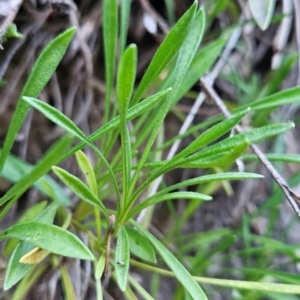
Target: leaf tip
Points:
(55, 169)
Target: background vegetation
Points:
(169, 198)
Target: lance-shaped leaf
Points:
(79, 188)
(140, 246)
(40, 75)
(212, 134)
(125, 84)
(122, 257)
(221, 160)
(208, 179)
(49, 237)
(15, 270)
(254, 136)
(87, 170)
(166, 197)
(223, 147)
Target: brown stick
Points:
(291, 197)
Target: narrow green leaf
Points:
(79, 188)
(262, 11)
(251, 285)
(126, 77)
(251, 137)
(281, 98)
(110, 35)
(122, 258)
(185, 59)
(166, 197)
(221, 160)
(87, 170)
(125, 84)
(41, 168)
(196, 27)
(64, 122)
(212, 134)
(49, 237)
(40, 75)
(140, 246)
(254, 136)
(100, 266)
(210, 178)
(178, 269)
(166, 52)
(201, 63)
(15, 271)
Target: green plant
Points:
(126, 176)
